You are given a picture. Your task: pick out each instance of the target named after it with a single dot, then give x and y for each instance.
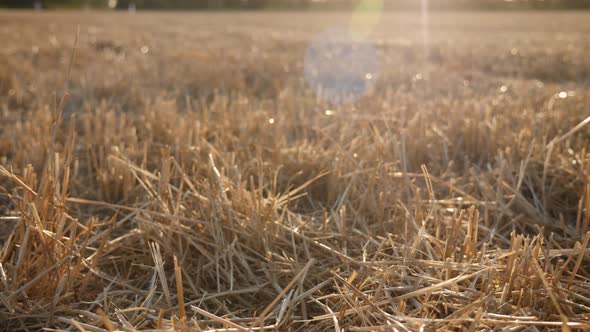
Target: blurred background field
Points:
(297, 4)
(187, 174)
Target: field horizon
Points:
(294, 171)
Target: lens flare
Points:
(341, 63)
(340, 68)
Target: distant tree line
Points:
(53, 3)
(297, 4)
(194, 4)
(229, 4)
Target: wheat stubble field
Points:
(177, 172)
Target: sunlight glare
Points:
(425, 28)
(365, 17)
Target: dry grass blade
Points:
(300, 275)
(179, 291)
(159, 266)
(218, 319)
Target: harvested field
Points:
(185, 171)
